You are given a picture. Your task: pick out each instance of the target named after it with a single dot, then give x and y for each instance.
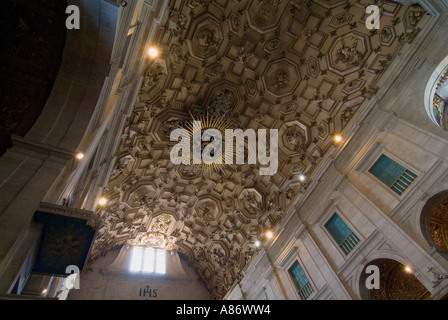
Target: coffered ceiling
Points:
(302, 67)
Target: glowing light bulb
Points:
(153, 52)
(269, 234)
(102, 201)
(337, 138)
(44, 291)
(80, 156)
(257, 243)
(302, 177)
(408, 269)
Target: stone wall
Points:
(108, 279)
(85, 113)
(393, 123)
(30, 167)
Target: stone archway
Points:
(434, 222)
(395, 283)
(436, 95)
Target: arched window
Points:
(436, 95)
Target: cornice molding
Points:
(70, 212)
(42, 148)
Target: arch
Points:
(416, 213)
(395, 283)
(31, 56)
(434, 222)
(86, 63)
(436, 95)
(34, 162)
(381, 254)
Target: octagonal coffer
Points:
(281, 77)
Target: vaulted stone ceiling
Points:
(302, 67)
(33, 37)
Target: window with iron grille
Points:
(393, 175)
(346, 239)
(301, 280)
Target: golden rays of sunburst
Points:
(197, 125)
